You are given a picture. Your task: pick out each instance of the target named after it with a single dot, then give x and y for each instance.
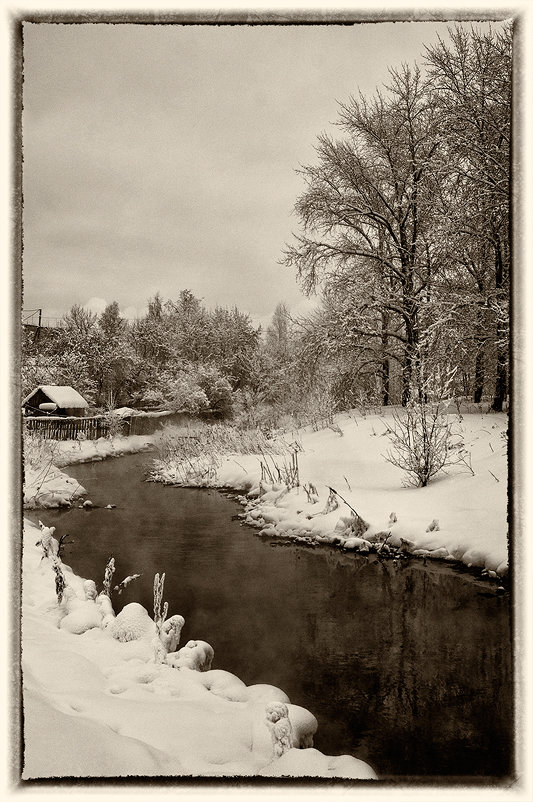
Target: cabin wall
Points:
(32, 406)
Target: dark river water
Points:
(405, 666)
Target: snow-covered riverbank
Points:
(97, 704)
(460, 516)
(47, 487)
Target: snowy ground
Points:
(97, 704)
(460, 516)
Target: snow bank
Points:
(47, 487)
(70, 452)
(460, 516)
(97, 704)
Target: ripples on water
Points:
(404, 665)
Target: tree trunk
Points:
(385, 362)
(479, 375)
(411, 358)
(501, 349)
(501, 380)
(385, 382)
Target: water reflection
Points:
(405, 666)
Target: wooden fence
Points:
(56, 428)
(70, 428)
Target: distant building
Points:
(55, 399)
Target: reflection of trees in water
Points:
(423, 661)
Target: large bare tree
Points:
(367, 217)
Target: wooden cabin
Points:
(55, 399)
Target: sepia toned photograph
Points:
(266, 397)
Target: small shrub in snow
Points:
(108, 576)
(159, 617)
(47, 541)
(114, 425)
(170, 632)
(331, 503)
(284, 471)
(320, 407)
(40, 455)
(193, 457)
(81, 616)
(106, 608)
(422, 438)
(60, 580)
(63, 542)
(167, 632)
(311, 493)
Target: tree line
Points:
(404, 233)
(178, 355)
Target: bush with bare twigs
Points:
(425, 439)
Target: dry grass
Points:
(193, 455)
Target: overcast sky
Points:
(158, 158)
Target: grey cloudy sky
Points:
(158, 158)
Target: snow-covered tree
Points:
(470, 85)
(366, 216)
(405, 227)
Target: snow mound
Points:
(196, 655)
(312, 763)
(132, 623)
(86, 616)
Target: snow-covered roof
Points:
(61, 394)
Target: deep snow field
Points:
(96, 703)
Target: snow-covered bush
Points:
(177, 390)
(169, 634)
(106, 608)
(89, 588)
(82, 615)
(114, 425)
(132, 623)
(217, 390)
(167, 631)
(321, 407)
(108, 576)
(60, 579)
(423, 437)
(47, 541)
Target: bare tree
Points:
(470, 82)
(367, 212)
